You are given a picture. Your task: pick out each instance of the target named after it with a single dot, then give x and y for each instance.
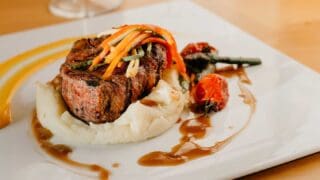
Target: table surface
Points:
(290, 26)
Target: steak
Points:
(93, 99)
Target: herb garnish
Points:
(82, 65)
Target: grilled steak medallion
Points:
(93, 99)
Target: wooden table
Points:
(292, 26)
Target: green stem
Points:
(133, 57)
(213, 58)
(82, 65)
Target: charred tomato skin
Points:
(212, 90)
(196, 66)
(192, 48)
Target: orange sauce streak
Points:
(61, 151)
(8, 88)
(193, 129)
(10, 85)
(10, 63)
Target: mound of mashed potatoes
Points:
(137, 123)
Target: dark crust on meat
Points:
(92, 99)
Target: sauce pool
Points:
(61, 151)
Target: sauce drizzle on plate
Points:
(13, 82)
(232, 71)
(191, 129)
(115, 165)
(149, 102)
(187, 149)
(60, 151)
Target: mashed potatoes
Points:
(137, 123)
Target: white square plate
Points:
(284, 127)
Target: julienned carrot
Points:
(111, 40)
(117, 36)
(121, 46)
(174, 51)
(98, 58)
(162, 42)
(127, 29)
(129, 43)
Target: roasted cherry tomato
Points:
(211, 92)
(197, 47)
(196, 65)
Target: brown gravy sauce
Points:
(234, 71)
(115, 165)
(60, 151)
(148, 102)
(187, 149)
(179, 120)
(196, 128)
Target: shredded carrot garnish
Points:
(162, 42)
(121, 46)
(128, 43)
(111, 40)
(133, 66)
(127, 38)
(173, 46)
(120, 64)
(98, 58)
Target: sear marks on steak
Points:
(93, 99)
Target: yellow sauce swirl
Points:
(10, 85)
(10, 63)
